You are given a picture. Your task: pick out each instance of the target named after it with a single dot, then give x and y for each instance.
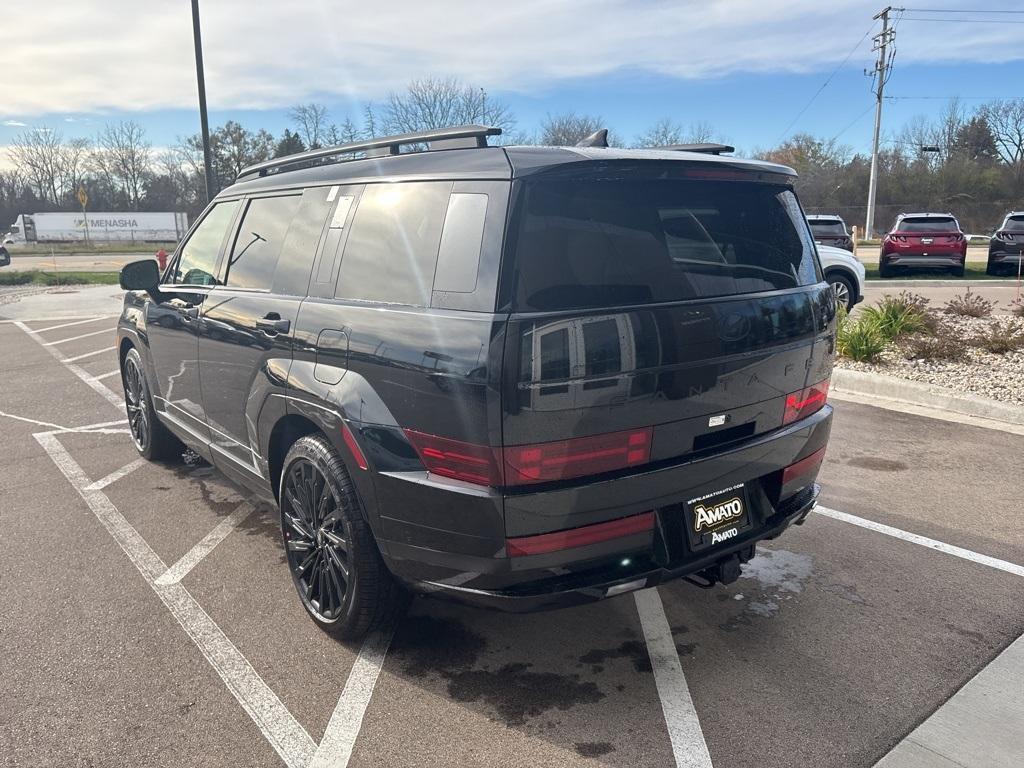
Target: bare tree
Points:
(569, 128)
(370, 122)
(311, 123)
(663, 133)
(1006, 121)
(346, 133)
(123, 157)
(430, 103)
(702, 132)
(38, 154)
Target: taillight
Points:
(805, 402)
(803, 467)
(1004, 236)
(456, 459)
(579, 537)
(534, 463)
(563, 459)
(956, 238)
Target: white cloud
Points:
(127, 57)
(15, 124)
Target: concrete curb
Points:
(993, 283)
(925, 395)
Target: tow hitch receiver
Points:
(725, 571)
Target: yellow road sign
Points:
(83, 196)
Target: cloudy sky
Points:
(748, 67)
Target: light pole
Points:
(203, 120)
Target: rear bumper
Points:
(578, 589)
(487, 575)
(929, 259)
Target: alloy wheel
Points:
(316, 540)
(842, 293)
(137, 405)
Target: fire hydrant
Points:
(161, 259)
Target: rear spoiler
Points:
(704, 149)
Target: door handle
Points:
(273, 324)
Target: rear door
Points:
(247, 323)
(682, 309)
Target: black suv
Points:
(1006, 248)
(517, 376)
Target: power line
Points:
(953, 10)
(965, 21)
(825, 84)
(946, 98)
(853, 122)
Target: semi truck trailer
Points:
(98, 227)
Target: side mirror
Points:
(140, 276)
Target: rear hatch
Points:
(927, 234)
(657, 312)
(830, 232)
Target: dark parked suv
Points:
(829, 229)
(1006, 248)
(518, 376)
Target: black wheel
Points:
(990, 268)
(846, 293)
(885, 270)
(958, 271)
(335, 565)
(152, 439)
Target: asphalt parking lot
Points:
(147, 616)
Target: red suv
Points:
(932, 240)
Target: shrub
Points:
(1000, 338)
(969, 305)
(895, 316)
(942, 346)
(17, 278)
(859, 339)
(1017, 308)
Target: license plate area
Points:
(717, 517)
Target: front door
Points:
(172, 323)
(247, 323)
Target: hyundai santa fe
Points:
(520, 377)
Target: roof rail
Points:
(461, 136)
(706, 149)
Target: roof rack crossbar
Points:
(441, 138)
(707, 149)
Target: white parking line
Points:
(95, 428)
(340, 737)
(117, 474)
(924, 541)
(107, 375)
(76, 338)
(194, 556)
(688, 745)
(285, 734)
(76, 358)
(76, 322)
(106, 392)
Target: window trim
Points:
(224, 262)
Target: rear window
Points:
(1014, 224)
(603, 243)
(827, 227)
(928, 224)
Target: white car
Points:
(844, 273)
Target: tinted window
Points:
(928, 224)
(392, 248)
(198, 260)
(259, 240)
(606, 243)
(828, 227)
(1014, 224)
(459, 258)
(300, 245)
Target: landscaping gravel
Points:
(998, 377)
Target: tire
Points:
(846, 292)
(152, 439)
(958, 271)
(990, 268)
(884, 270)
(336, 567)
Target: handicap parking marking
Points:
(924, 541)
(194, 556)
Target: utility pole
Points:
(884, 41)
(203, 120)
